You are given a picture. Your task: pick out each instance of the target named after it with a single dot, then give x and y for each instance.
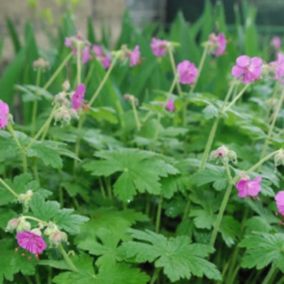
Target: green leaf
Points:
(138, 171)
(177, 256)
(262, 250)
(50, 211)
(12, 263)
(121, 273)
(85, 275)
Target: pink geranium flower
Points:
(247, 69)
(276, 42)
(187, 72)
(278, 68)
(134, 56)
(218, 44)
(77, 99)
(279, 199)
(170, 105)
(159, 47)
(249, 187)
(103, 57)
(86, 55)
(31, 242)
(4, 114)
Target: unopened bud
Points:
(25, 198)
(279, 158)
(224, 153)
(41, 64)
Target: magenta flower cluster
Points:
(278, 68)
(159, 47)
(249, 187)
(31, 242)
(187, 72)
(218, 44)
(102, 56)
(247, 69)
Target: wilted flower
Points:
(279, 199)
(41, 64)
(249, 187)
(247, 69)
(131, 99)
(170, 105)
(65, 114)
(276, 42)
(77, 98)
(102, 56)
(4, 114)
(217, 44)
(31, 241)
(134, 56)
(187, 72)
(159, 47)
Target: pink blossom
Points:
(276, 42)
(279, 199)
(159, 47)
(86, 56)
(187, 72)
(31, 242)
(4, 114)
(103, 57)
(170, 105)
(278, 68)
(249, 187)
(218, 44)
(134, 56)
(247, 69)
(68, 42)
(78, 97)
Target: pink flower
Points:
(187, 72)
(279, 199)
(276, 42)
(86, 56)
(218, 44)
(4, 114)
(134, 56)
(159, 47)
(78, 97)
(170, 105)
(247, 69)
(68, 42)
(104, 58)
(31, 242)
(249, 187)
(278, 68)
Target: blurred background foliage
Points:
(191, 23)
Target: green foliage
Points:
(176, 256)
(263, 249)
(139, 171)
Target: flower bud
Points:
(56, 236)
(41, 64)
(131, 99)
(66, 85)
(18, 224)
(25, 198)
(224, 153)
(279, 158)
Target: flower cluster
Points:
(69, 103)
(247, 69)
(103, 57)
(278, 68)
(159, 47)
(249, 187)
(187, 72)
(217, 44)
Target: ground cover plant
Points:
(159, 160)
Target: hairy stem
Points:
(8, 188)
(158, 216)
(35, 104)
